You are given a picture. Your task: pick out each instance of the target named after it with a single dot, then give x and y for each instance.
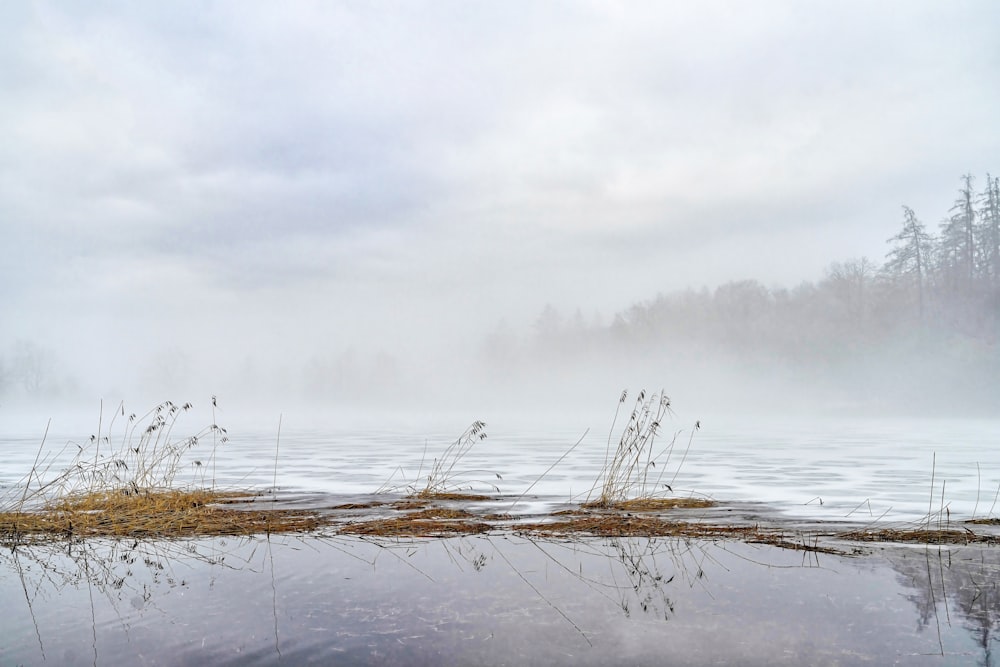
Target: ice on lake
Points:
(817, 468)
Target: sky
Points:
(207, 194)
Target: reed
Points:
(140, 457)
(446, 479)
(635, 473)
(136, 479)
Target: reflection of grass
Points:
(131, 571)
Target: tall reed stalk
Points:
(637, 466)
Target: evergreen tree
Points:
(989, 231)
(957, 247)
(911, 254)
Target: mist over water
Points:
(494, 212)
(345, 231)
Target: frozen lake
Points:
(829, 469)
(508, 598)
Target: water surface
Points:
(493, 600)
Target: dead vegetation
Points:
(446, 480)
(637, 471)
(196, 513)
(167, 514)
(443, 495)
(629, 525)
(433, 521)
(662, 504)
(129, 483)
(920, 536)
(136, 479)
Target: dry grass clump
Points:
(426, 522)
(637, 469)
(440, 513)
(920, 536)
(139, 457)
(446, 480)
(783, 543)
(662, 504)
(128, 482)
(438, 495)
(155, 514)
(418, 520)
(166, 500)
(624, 525)
(358, 506)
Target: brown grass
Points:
(167, 514)
(783, 543)
(920, 536)
(427, 522)
(618, 525)
(658, 504)
(177, 514)
(128, 487)
(636, 473)
(358, 506)
(442, 495)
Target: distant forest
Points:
(916, 331)
(933, 302)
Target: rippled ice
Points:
(816, 468)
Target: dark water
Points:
(493, 600)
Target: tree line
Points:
(937, 293)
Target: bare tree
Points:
(851, 281)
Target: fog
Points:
(329, 209)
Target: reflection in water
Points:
(959, 581)
(499, 599)
(121, 578)
(640, 573)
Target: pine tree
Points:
(989, 231)
(910, 255)
(957, 256)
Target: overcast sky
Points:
(227, 182)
